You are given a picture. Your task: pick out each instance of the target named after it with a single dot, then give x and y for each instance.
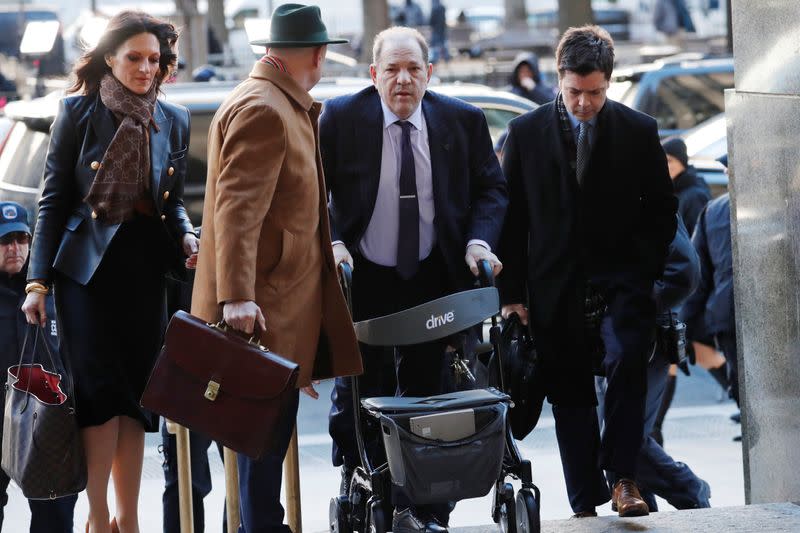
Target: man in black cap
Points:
(710, 311)
(692, 191)
(693, 194)
(47, 516)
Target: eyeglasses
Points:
(20, 237)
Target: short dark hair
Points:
(585, 49)
(91, 67)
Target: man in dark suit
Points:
(590, 219)
(413, 184)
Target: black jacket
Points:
(557, 233)
(469, 190)
(541, 93)
(681, 273)
(693, 195)
(710, 310)
(13, 325)
(67, 237)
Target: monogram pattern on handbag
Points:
(42, 448)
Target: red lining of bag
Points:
(45, 386)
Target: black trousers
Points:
(627, 333)
(260, 506)
(416, 370)
(726, 342)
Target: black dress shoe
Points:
(407, 522)
(585, 514)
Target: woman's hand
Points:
(34, 309)
(191, 245)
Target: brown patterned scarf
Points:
(124, 174)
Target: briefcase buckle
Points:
(212, 390)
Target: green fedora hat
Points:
(297, 26)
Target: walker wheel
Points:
(376, 518)
(527, 512)
(337, 517)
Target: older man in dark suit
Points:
(414, 185)
(591, 216)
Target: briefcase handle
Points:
(254, 339)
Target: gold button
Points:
(94, 214)
(95, 165)
(166, 195)
(163, 217)
(171, 171)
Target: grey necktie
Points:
(583, 150)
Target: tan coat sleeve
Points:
(251, 157)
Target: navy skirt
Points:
(112, 329)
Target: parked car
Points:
(24, 146)
(705, 143)
(679, 93)
(479, 29)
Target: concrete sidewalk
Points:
(701, 436)
(774, 518)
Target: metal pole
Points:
(231, 490)
(269, 8)
(291, 474)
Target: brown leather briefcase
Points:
(213, 381)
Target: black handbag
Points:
(522, 377)
(42, 447)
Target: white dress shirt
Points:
(379, 243)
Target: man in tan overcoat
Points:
(266, 259)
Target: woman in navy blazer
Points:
(111, 221)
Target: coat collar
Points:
(284, 82)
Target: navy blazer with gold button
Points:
(68, 238)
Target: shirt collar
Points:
(577, 123)
(390, 118)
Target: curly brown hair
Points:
(91, 67)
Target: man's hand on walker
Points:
(476, 253)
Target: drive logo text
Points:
(436, 321)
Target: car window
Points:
(195, 185)
(684, 101)
(22, 159)
(498, 120)
(22, 165)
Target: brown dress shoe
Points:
(585, 514)
(626, 499)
